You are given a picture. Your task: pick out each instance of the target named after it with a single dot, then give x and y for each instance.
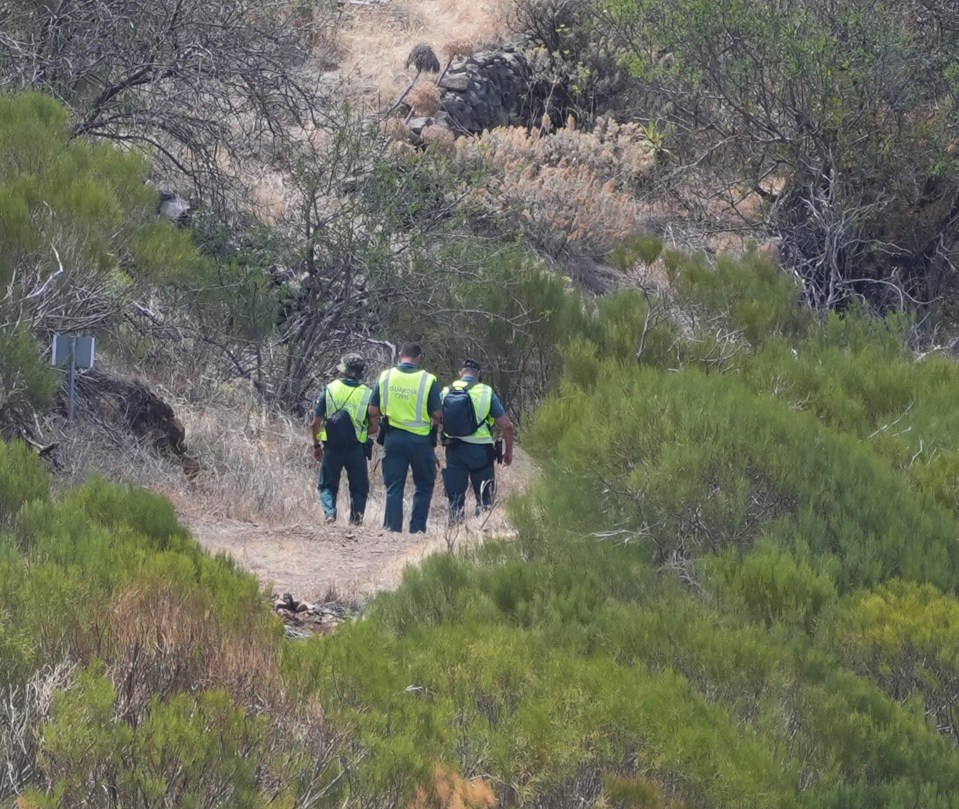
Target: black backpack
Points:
(459, 415)
(340, 432)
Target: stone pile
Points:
(482, 91)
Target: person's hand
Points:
(318, 453)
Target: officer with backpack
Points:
(408, 398)
(470, 409)
(340, 434)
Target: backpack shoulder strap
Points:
(337, 408)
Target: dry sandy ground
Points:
(308, 558)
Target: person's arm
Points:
(506, 429)
(372, 420)
(434, 404)
(373, 410)
(316, 426)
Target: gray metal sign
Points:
(82, 349)
(74, 352)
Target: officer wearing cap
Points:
(470, 458)
(409, 400)
(346, 393)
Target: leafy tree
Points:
(838, 115)
(79, 239)
(198, 84)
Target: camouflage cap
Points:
(351, 362)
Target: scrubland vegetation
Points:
(734, 583)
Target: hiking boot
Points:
(330, 519)
(356, 519)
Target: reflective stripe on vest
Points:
(354, 400)
(482, 396)
(403, 399)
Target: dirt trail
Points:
(309, 558)
(304, 556)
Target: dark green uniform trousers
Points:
(404, 452)
(468, 464)
(354, 462)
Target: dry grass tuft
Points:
(166, 641)
(395, 128)
(23, 712)
(439, 138)
(457, 48)
(254, 463)
(424, 99)
(450, 790)
(572, 192)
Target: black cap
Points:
(471, 365)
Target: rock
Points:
(174, 207)
(460, 82)
(418, 124)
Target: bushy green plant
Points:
(752, 294)
(196, 750)
(692, 463)
(25, 380)
(905, 637)
(774, 585)
(22, 480)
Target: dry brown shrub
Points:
(457, 48)
(572, 192)
(401, 149)
(615, 152)
(439, 138)
(255, 462)
(395, 128)
(424, 99)
(162, 640)
(450, 790)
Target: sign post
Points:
(74, 352)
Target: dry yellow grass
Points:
(377, 39)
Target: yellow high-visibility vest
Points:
(482, 396)
(354, 400)
(403, 399)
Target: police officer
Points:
(409, 400)
(353, 397)
(470, 458)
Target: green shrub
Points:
(752, 295)
(691, 463)
(22, 480)
(774, 585)
(25, 380)
(194, 750)
(905, 637)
